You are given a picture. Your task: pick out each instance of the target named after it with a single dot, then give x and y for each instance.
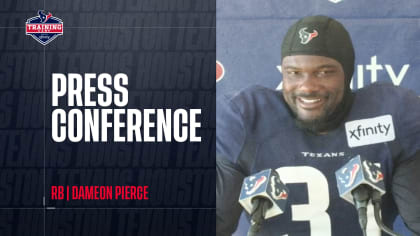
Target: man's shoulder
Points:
(389, 104)
(253, 99)
(386, 96)
(387, 90)
(252, 92)
(256, 107)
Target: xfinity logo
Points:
(370, 131)
(360, 131)
(323, 154)
(395, 74)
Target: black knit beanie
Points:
(323, 36)
(320, 36)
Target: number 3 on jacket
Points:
(315, 211)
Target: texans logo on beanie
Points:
(306, 36)
(320, 36)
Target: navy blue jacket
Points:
(256, 131)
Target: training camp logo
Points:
(370, 131)
(305, 37)
(44, 28)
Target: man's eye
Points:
(292, 72)
(325, 72)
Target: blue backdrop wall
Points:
(385, 33)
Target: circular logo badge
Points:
(220, 71)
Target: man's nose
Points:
(309, 84)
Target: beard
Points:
(330, 118)
(315, 126)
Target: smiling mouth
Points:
(310, 103)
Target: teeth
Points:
(310, 100)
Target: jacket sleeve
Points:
(406, 192)
(406, 177)
(228, 187)
(230, 139)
